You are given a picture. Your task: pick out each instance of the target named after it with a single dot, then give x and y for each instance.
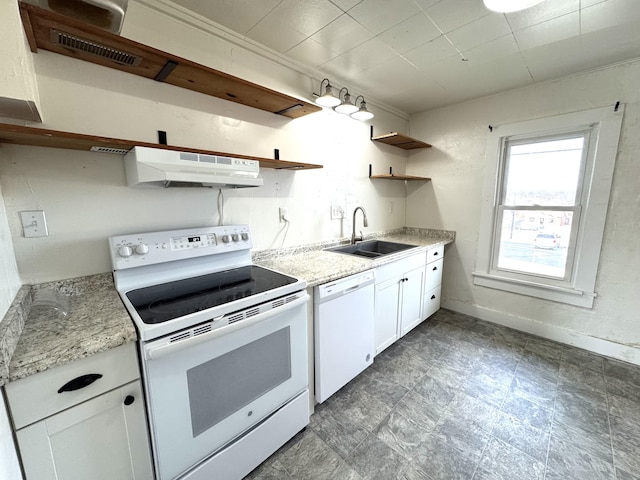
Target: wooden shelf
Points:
(64, 35)
(399, 140)
(20, 135)
(400, 177)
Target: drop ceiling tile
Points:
(380, 15)
(304, 16)
(451, 14)
(424, 55)
(343, 34)
(310, 52)
(556, 29)
(395, 74)
(610, 14)
(490, 51)
(342, 67)
(237, 15)
(267, 33)
(370, 53)
(541, 13)
(411, 33)
(479, 31)
(345, 5)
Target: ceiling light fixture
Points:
(327, 99)
(506, 6)
(346, 106)
(362, 113)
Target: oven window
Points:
(230, 382)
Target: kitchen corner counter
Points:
(97, 321)
(318, 266)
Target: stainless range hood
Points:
(155, 167)
(105, 14)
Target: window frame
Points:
(603, 126)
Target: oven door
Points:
(206, 390)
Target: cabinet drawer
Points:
(431, 302)
(36, 397)
(433, 275)
(435, 253)
(399, 267)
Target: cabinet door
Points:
(411, 301)
(101, 439)
(386, 313)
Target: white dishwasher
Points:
(344, 336)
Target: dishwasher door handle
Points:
(349, 290)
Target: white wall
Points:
(85, 197)
(9, 286)
(456, 164)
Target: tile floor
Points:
(458, 398)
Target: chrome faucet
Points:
(359, 238)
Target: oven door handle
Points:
(152, 352)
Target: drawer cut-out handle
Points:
(79, 382)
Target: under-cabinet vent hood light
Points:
(117, 151)
(79, 44)
(155, 167)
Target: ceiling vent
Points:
(79, 44)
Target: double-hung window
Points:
(544, 209)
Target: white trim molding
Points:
(558, 334)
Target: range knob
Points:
(235, 237)
(125, 251)
(226, 239)
(142, 249)
(245, 236)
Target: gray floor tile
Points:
(375, 460)
(307, 457)
(579, 376)
(582, 358)
(534, 388)
(623, 407)
(528, 412)
(626, 372)
(501, 461)
(595, 444)
(459, 398)
(582, 412)
(442, 461)
(566, 461)
(422, 411)
(532, 441)
(401, 434)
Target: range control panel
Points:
(138, 249)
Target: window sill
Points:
(554, 293)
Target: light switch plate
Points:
(34, 223)
(337, 212)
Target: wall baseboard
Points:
(600, 346)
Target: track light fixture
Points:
(342, 104)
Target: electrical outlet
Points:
(34, 223)
(283, 215)
(337, 212)
(390, 207)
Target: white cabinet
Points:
(95, 427)
(398, 294)
(433, 281)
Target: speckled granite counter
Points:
(321, 266)
(97, 321)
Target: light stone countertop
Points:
(322, 266)
(97, 321)
(34, 338)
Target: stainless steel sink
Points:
(372, 248)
